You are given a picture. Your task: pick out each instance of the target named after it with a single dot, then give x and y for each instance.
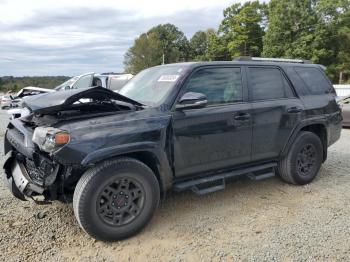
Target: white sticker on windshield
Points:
(168, 78)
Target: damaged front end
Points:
(32, 142)
(28, 171)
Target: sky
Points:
(71, 37)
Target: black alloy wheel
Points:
(121, 201)
(306, 159)
(116, 198)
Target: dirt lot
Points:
(251, 221)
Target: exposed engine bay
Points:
(32, 140)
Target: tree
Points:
(199, 45)
(242, 28)
(291, 29)
(160, 41)
(342, 68)
(335, 17)
(175, 45)
(217, 47)
(318, 30)
(146, 52)
(309, 29)
(17, 83)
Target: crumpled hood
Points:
(56, 101)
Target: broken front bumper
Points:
(18, 180)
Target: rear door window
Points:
(268, 83)
(314, 80)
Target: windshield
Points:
(151, 86)
(69, 83)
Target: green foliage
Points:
(146, 52)
(148, 49)
(311, 29)
(10, 83)
(335, 17)
(318, 30)
(175, 45)
(199, 46)
(217, 48)
(291, 29)
(242, 29)
(240, 33)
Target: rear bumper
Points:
(18, 180)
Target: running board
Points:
(199, 186)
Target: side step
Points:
(210, 184)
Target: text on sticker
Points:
(168, 78)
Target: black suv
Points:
(178, 126)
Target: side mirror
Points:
(192, 100)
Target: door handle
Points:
(294, 110)
(241, 116)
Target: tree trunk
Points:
(340, 77)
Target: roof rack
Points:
(281, 60)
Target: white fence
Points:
(342, 90)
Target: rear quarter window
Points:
(314, 80)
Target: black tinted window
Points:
(314, 80)
(268, 83)
(220, 85)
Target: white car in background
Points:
(15, 108)
(28, 91)
(6, 101)
(32, 91)
(117, 81)
(111, 81)
(107, 80)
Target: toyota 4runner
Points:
(177, 126)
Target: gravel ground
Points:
(250, 221)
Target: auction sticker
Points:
(168, 78)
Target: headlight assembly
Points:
(49, 139)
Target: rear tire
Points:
(303, 161)
(116, 199)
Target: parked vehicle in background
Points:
(178, 126)
(6, 101)
(15, 110)
(109, 80)
(31, 91)
(344, 104)
(115, 82)
(16, 102)
(342, 90)
(13, 101)
(28, 91)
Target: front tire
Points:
(116, 199)
(303, 161)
